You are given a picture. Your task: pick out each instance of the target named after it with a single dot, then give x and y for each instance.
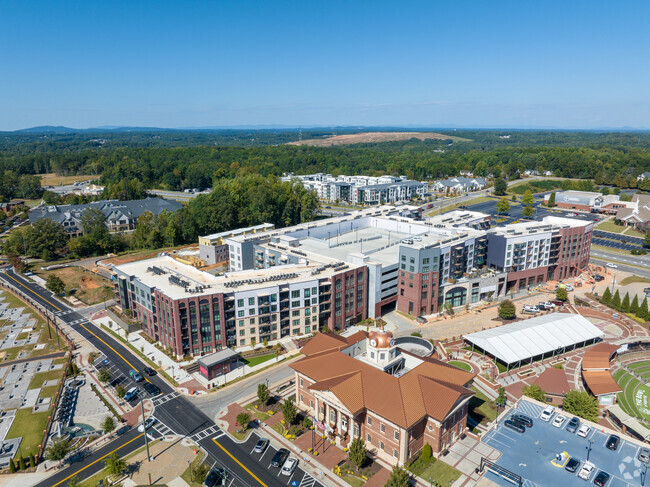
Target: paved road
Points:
(175, 413)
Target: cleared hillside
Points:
(374, 137)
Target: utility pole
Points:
(144, 425)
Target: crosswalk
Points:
(166, 398)
(212, 431)
(529, 409)
(76, 322)
(307, 481)
(163, 429)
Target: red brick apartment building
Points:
(366, 386)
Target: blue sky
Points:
(576, 64)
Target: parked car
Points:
(528, 422)
(557, 302)
(527, 308)
(598, 278)
(543, 307)
(558, 421)
(612, 442)
(151, 389)
(601, 479)
(216, 476)
(289, 466)
(646, 289)
(586, 471)
(547, 414)
(574, 424)
(572, 465)
(131, 394)
(548, 304)
(148, 423)
(584, 430)
(612, 266)
(261, 445)
(280, 457)
(135, 375)
(568, 287)
(508, 423)
(644, 455)
(149, 371)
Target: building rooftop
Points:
(217, 357)
(456, 218)
(553, 381)
(239, 231)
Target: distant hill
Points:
(375, 137)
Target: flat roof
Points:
(456, 217)
(239, 231)
(215, 358)
(523, 340)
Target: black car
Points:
(612, 442)
(573, 425)
(151, 389)
(572, 465)
(216, 476)
(149, 371)
(644, 455)
(523, 419)
(280, 457)
(518, 427)
(598, 278)
(601, 479)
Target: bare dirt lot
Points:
(52, 179)
(374, 137)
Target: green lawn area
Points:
(610, 226)
(460, 365)
(632, 280)
(38, 379)
(194, 466)
(610, 250)
(22, 335)
(260, 359)
(638, 365)
(481, 408)
(49, 391)
(436, 470)
(354, 481)
(258, 413)
(473, 201)
(30, 426)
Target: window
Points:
(295, 313)
(307, 293)
(381, 445)
(382, 426)
(311, 404)
(368, 438)
(332, 416)
(425, 260)
(394, 452)
(240, 313)
(242, 341)
(252, 330)
(241, 322)
(369, 420)
(252, 321)
(251, 301)
(356, 430)
(240, 303)
(242, 332)
(396, 435)
(302, 399)
(295, 294)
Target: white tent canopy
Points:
(523, 340)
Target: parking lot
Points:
(119, 378)
(529, 454)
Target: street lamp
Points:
(591, 442)
(645, 473)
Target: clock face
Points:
(373, 343)
(392, 343)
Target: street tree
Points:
(507, 310)
(243, 419)
(115, 465)
(561, 294)
(535, 392)
(616, 300)
(58, 450)
(500, 187)
(289, 411)
(551, 200)
(606, 298)
(503, 206)
(642, 312)
(108, 424)
(399, 477)
(357, 452)
(104, 376)
(528, 211)
(55, 284)
(582, 404)
(646, 240)
(528, 199)
(263, 394)
(120, 391)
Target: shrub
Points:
(507, 310)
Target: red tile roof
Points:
(598, 356)
(553, 381)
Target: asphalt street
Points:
(175, 413)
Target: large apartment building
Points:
(336, 272)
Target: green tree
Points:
(634, 305)
(606, 298)
(551, 200)
(263, 394)
(503, 206)
(357, 452)
(73, 482)
(500, 187)
(120, 391)
(115, 465)
(561, 294)
(104, 376)
(426, 454)
(289, 410)
(625, 304)
(58, 450)
(55, 284)
(243, 419)
(46, 239)
(646, 240)
(528, 199)
(535, 392)
(642, 312)
(528, 211)
(108, 424)
(32, 460)
(399, 477)
(507, 310)
(501, 398)
(23, 465)
(616, 300)
(12, 466)
(582, 404)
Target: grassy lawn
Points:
(610, 226)
(30, 426)
(258, 413)
(454, 206)
(194, 466)
(354, 481)
(89, 288)
(632, 280)
(49, 391)
(22, 335)
(637, 365)
(53, 179)
(260, 359)
(436, 470)
(460, 365)
(481, 408)
(38, 379)
(610, 250)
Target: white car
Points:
(586, 471)
(547, 414)
(568, 287)
(289, 466)
(584, 430)
(613, 266)
(548, 304)
(558, 421)
(149, 422)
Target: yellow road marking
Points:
(239, 463)
(99, 459)
(34, 292)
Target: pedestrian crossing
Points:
(307, 481)
(529, 409)
(76, 322)
(212, 431)
(163, 429)
(160, 400)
